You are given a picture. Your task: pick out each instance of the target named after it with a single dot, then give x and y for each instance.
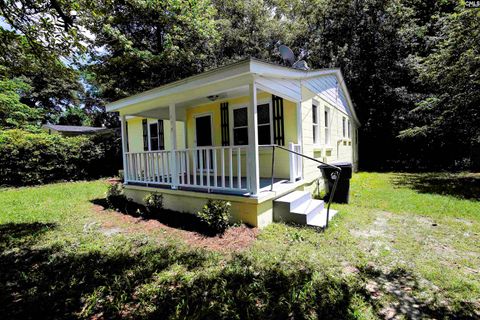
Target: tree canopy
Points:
(13, 113)
(412, 66)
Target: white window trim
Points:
(327, 126)
(149, 135)
(316, 126)
(239, 106)
(232, 124)
(344, 127)
(153, 121)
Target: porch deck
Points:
(279, 186)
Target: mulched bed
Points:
(234, 239)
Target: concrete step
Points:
(282, 207)
(294, 199)
(309, 208)
(319, 220)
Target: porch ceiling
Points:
(194, 95)
(161, 112)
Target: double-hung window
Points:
(240, 125)
(315, 124)
(264, 124)
(344, 127)
(349, 128)
(327, 125)
(156, 139)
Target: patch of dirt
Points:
(113, 180)
(379, 227)
(234, 239)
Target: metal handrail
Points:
(337, 173)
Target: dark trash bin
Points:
(343, 186)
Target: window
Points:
(327, 125)
(344, 126)
(349, 126)
(240, 126)
(264, 127)
(315, 123)
(155, 133)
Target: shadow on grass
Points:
(175, 219)
(22, 233)
(459, 185)
(165, 282)
(400, 284)
(53, 283)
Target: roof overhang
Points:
(216, 81)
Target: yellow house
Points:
(229, 134)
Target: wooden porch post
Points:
(173, 137)
(123, 120)
(252, 154)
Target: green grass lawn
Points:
(407, 246)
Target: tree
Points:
(53, 84)
(148, 43)
(13, 113)
(46, 25)
(247, 29)
(73, 116)
(447, 118)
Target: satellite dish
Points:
(301, 64)
(287, 54)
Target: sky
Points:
(4, 24)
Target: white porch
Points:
(207, 169)
(255, 106)
(215, 167)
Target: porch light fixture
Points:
(213, 97)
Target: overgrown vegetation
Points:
(28, 158)
(216, 215)
(394, 251)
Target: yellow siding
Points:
(265, 154)
(249, 212)
(339, 149)
(135, 134)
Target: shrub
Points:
(215, 214)
(28, 158)
(115, 196)
(154, 203)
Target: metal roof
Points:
(77, 129)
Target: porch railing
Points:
(295, 162)
(212, 168)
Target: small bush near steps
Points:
(153, 203)
(115, 196)
(215, 214)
